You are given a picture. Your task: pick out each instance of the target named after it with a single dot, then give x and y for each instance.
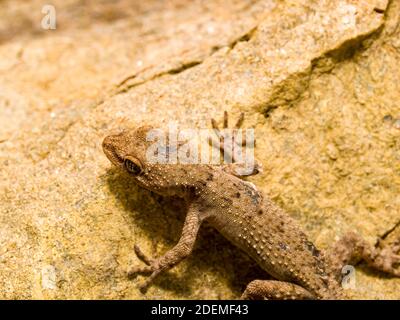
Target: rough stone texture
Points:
(317, 79)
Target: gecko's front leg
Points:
(181, 250)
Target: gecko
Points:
(248, 218)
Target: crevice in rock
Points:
(378, 10)
(184, 66)
(244, 38)
(388, 232)
(176, 70)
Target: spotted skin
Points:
(247, 218)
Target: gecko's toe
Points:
(240, 120)
(214, 124)
(139, 253)
(134, 272)
(144, 287)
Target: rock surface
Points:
(318, 80)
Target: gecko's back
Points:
(268, 234)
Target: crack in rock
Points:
(124, 85)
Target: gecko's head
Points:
(141, 154)
(127, 150)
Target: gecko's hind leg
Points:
(352, 248)
(228, 144)
(275, 290)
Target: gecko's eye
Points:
(133, 165)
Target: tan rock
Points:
(315, 78)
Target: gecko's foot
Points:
(238, 124)
(227, 138)
(228, 146)
(352, 248)
(388, 259)
(141, 270)
(151, 269)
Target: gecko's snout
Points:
(112, 150)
